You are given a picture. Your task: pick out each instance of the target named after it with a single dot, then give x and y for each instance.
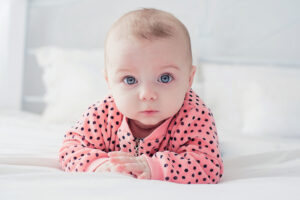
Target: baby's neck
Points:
(139, 132)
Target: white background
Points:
(245, 32)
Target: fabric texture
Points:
(183, 149)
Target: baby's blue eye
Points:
(165, 78)
(129, 80)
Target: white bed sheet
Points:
(254, 168)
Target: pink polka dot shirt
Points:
(183, 149)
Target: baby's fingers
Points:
(118, 153)
(105, 167)
(133, 167)
(122, 160)
(143, 176)
(126, 170)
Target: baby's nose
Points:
(147, 93)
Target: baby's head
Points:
(148, 65)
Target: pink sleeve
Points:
(194, 157)
(85, 145)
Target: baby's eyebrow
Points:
(120, 70)
(162, 67)
(123, 70)
(170, 66)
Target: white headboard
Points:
(83, 25)
(236, 32)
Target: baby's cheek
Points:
(173, 106)
(125, 104)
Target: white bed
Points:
(255, 168)
(257, 127)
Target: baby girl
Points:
(152, 125)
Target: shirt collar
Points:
(159, 132)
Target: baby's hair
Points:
(148, 24)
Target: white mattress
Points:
(254, 168)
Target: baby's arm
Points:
(194, 156)
(86, 145)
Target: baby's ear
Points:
(104, 73)
(192, 74)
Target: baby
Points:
(152, 125)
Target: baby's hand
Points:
(108, 166)
(130, 164)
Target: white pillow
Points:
(73, 79)
(222, 93)
(272, 102)
(253, 100)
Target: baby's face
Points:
(147, 75)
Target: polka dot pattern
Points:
(187, 152)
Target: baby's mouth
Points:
(149, 112)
